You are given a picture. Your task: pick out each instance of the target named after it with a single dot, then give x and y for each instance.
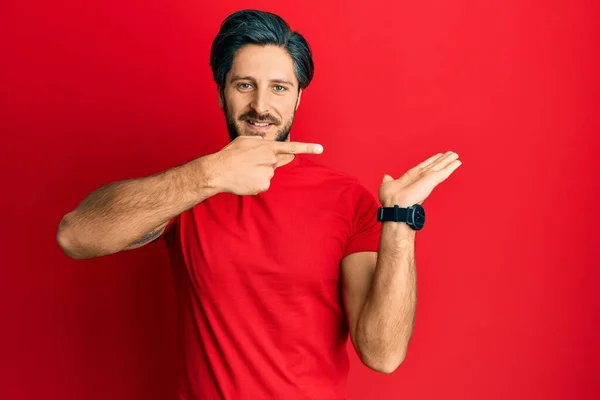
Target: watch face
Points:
(417, 216)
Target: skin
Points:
(261, 87)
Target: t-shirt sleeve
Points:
(366, 230)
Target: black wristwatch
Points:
(414, 215)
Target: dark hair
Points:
(261, 28)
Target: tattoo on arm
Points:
(147, 238)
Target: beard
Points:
(234, 129)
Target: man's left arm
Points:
(380, 288)
(380, 295)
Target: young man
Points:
(276, 259)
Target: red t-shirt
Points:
(257, 281)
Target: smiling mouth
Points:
(258, 125)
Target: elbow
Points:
(383, 363)
(66, 239)
(384, 366)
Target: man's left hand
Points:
(417, 183)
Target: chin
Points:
(261, 134)
(270, 134)
(281, 135)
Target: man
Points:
(276, 259)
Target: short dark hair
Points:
(261, 28)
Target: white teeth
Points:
(259, 123)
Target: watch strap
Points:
(395, 214)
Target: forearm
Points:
(386, 320)
(116, 215)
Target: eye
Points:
(244, 86)
(279, 88)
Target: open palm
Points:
(417, 183)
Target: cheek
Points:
(235, 103)
(286, 108)
(234, 112)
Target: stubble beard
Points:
(234, 129)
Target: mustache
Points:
(260, 118)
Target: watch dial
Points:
(418, 216)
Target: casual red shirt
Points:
(257, 278)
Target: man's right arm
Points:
(128, 214)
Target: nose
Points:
(260, 102)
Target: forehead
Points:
(263, 63)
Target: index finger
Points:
(297, 148)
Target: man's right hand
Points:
(246, 165)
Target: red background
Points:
(508, 263)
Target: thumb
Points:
(387, 178)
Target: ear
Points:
(221, 95)
(298, 99)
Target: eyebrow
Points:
(249, 78)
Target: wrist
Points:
(207, 175)
(411, 216)
(402, 203)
